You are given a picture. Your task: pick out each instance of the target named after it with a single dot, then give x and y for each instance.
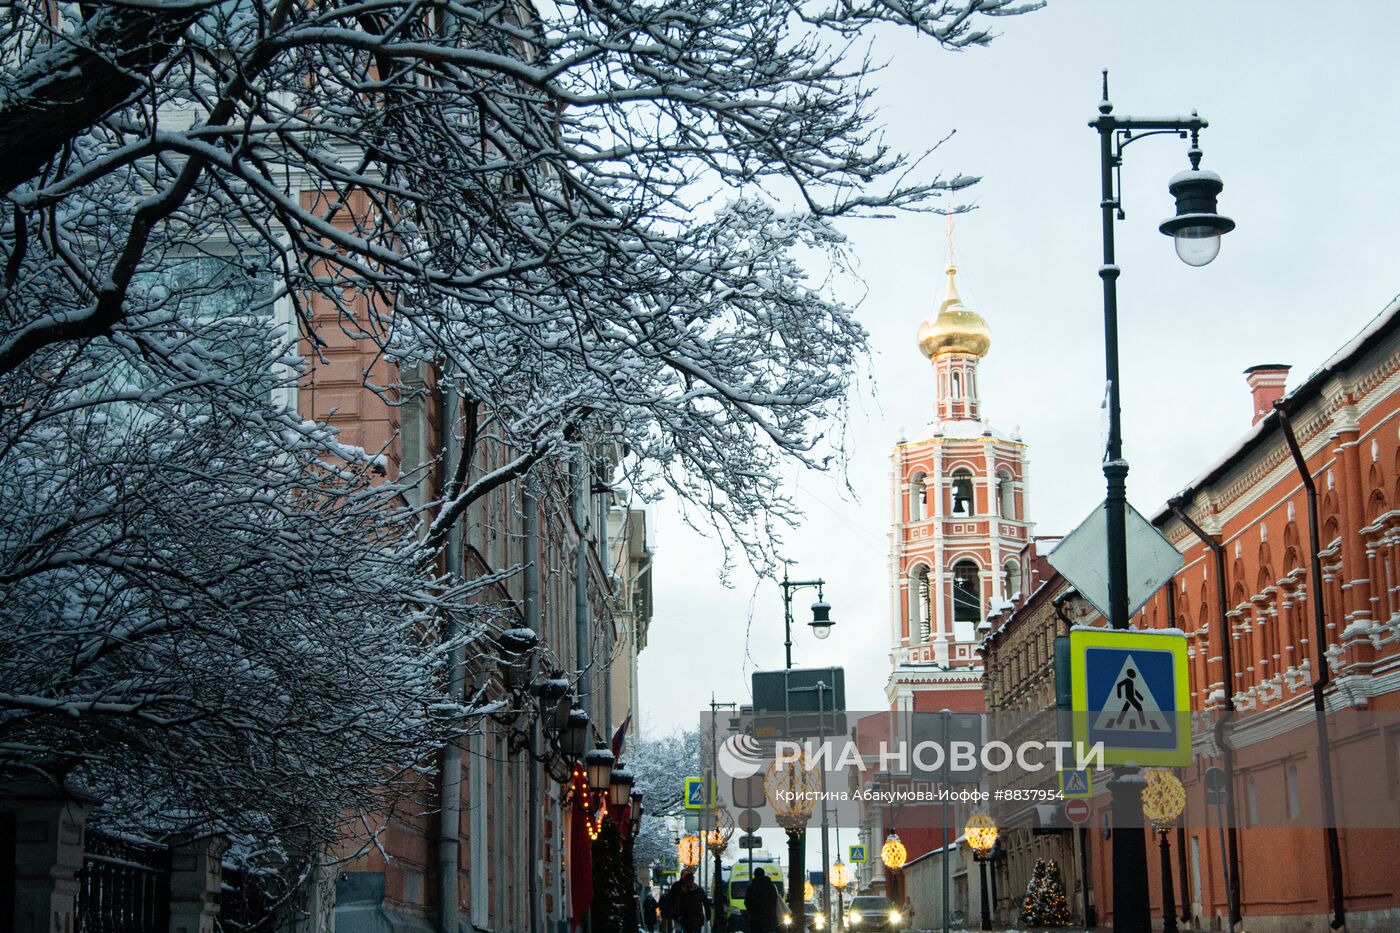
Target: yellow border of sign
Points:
(851, 854)
(691, 782)
(1081, 639)
(1088, 783)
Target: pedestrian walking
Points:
(689, 905)
(761, 903)
(649, 907)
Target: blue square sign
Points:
(1130, 693)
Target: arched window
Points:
(1011, 579)
(918, 498)
(963, 503)
(1006, 495)
(920, 606)
(957, 384)
(967, 600)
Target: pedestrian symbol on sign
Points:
(1133, 706)
(1076, 783)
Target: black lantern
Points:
(620, 787)
(599, 764)
(1197, 227)
(517, 644)
(636, 811)
(573, 738)
(821, 618)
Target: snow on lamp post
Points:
(1163, 801)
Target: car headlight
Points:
(787, 920)
(855, 917)
(818, 921)
(896, 917)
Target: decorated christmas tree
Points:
(1044, 904)
(1054, 908)
(1030, 903)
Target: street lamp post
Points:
(821, 610)
(981, 835)
(1162, 803)
(1196, 230)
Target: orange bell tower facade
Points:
(959, 521)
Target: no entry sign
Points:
(1077, 811)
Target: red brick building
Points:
(1347, 419)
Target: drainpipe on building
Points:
(1323, 675)
(582, 645)
(1227, 751)
(1185, 889)
(602, 538)
(532, 622)
(450, 805)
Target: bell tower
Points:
(958, 523)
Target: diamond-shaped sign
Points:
(1082, 557)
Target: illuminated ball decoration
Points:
(809, 893)
(893, 853)
(1163, 799)
(718, 837)
(688, 851)
(840, 875)
(981, 832)
(791, 790)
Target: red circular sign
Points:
(1077, 811)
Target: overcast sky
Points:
(1304, 106)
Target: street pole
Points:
(821, 738)
(947, 716)
(986, 905)
(1131, 911)
(1168, 894)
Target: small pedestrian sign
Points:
(1130, 692)
(695, 794)
(856, 855)
(1076, 783)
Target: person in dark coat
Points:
(649, 911)
(689, 905)
(761, 902)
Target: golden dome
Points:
(957, 329)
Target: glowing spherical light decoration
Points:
(791, 790)
(688, 851)
(718, 837)
(1163, 799)
(893, 853)
(840, 875)
(981, 832)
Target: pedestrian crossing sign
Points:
(1077, 782)
(695, 794)
(856, 855)
(1130, 692)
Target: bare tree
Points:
(599, 221)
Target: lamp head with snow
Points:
(620, 786)
(599, 764)
(1197, 227)
(821, 618)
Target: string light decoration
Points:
(688, 851)
(1163, 798)
(981, 832)
(840, 875)
(723, 831)
(893, 853)
(594, 806)
(792, 791)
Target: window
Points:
(962, 492)
(918, 498)
(967, 592)
(1290, 780)
(921, 607)
(1011, 579)
(1196, 869)
(1252, 800)
(957, 385)
(1006, 495)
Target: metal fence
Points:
(124, 886)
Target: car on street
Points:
(870, 912)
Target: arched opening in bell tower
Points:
(967, 599)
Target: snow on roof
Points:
(1382, 323)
